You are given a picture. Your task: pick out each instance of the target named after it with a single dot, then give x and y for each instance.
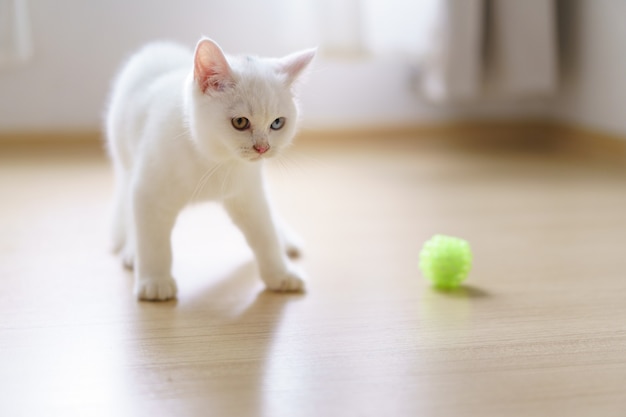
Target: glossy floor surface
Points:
(539, 329)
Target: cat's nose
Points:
(261, 148)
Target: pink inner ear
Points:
(211, 70)
(293, 65)
(211, 80)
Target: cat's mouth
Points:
(255, 158)
(253, 155)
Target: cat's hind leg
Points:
(119, 220)
(122, 240)
(291, 242)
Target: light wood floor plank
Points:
(539, 329)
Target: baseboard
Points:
(537, 134)
(589, 143)
(558, 136)
(457, 128)
(51, 137)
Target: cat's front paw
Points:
(151, 289)
(290, 281)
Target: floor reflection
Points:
(206, 354)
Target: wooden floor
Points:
(539, 330)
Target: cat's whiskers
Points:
(185, 132)
(288, 165)
(282, 167)
(203, 182)
(225, 183)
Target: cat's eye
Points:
(240, 123)
(278, 123)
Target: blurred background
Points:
(382, 63)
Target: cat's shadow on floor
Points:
(220, 338)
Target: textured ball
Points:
(446, 261)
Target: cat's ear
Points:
(292, 66)
(211, 69)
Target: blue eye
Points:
(278, 123)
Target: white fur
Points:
(171, 142)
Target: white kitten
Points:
(184, 126)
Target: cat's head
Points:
(243, 107)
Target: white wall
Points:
(78, 45)
(594, 91)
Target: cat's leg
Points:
(252, 214)
(153, 224)
(128, 251)
(291, 242)
(122, 235)
(119, 221)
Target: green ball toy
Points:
(446, 261)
